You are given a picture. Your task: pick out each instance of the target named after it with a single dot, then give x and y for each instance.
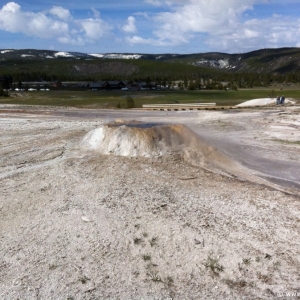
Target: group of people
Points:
(280, 100)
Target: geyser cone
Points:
(156, 140)
(153, 140)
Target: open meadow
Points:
(111, 99)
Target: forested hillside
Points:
(257, 68)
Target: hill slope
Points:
(112, 65)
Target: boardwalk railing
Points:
(178, 106)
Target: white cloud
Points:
(251, 34)
(203, 16)
(143, 14)
(139, 40)
(276, 31)
(11, 7)
(94, 28)
(153, 2)
(56, 23)
(130, 26)
(96, 13)
(185, 19)
(13, 19)
(218, 24)
(79, 41)
(60, 12)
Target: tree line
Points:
(215, 80)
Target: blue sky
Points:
(150, 26)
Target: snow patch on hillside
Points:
(6, 51)
(223, 63)
(118, 56)
(63, 54)
(97, 55)
(220, 63)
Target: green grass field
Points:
(109, 99)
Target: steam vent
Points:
(152, 140)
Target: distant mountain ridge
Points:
(281, 60)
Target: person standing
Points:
(277, 100)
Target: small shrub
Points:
(264, 277)
(84, 279)
(170, 281)
(137, 241)
(272, 94)
(146, 257)
(246, 261)
(52, 267)
(213, 264)
(130, 102)
(3, 93)
(268, 256)
(236, 283)
(153, 241)
(154, 276)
